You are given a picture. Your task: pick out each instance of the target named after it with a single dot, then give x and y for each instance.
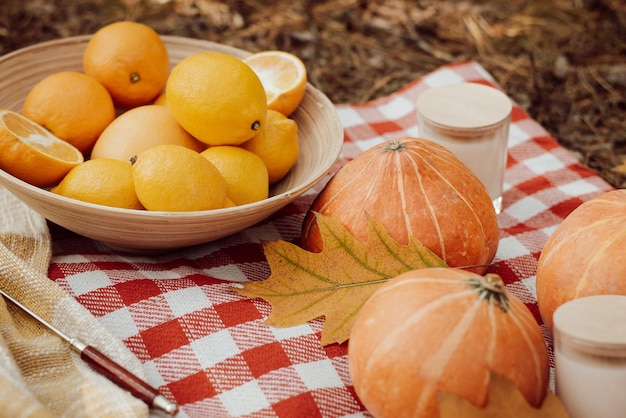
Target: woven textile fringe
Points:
(40, 375)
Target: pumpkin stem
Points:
(491, 288)
(395, 145)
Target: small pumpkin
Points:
(414, 187)
(443, 330)
(585, 255)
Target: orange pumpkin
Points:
(443, 330)
(586, 254)
(414, 187)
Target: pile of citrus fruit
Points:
(213, 131)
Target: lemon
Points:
(245, 173)
(277, 145)
(229, 203)
(102, 181)
(174, 178)
(33, 154)
(217, 98)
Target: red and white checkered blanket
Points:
(207, 348)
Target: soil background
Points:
(563, 61)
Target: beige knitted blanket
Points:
(40, 376)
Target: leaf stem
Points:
(337, 286)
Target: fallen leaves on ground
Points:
(336, 282)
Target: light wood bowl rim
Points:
(38, 198)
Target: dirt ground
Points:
(563, 61)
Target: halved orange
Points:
(33, 154)
(283, 76)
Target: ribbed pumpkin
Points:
(443, 330)
(414, 187)
(585, 255)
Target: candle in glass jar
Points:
(590, 356)
(472, 121)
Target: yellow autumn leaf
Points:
(336, 282)
(505, 401)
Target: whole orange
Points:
(141, 128)
(130, 60)
(71, 105)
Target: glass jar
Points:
(590, 356)
(472, 121)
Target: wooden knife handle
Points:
(126, 380)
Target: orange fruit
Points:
(245, 173)
(130, 60)
(72, 105)
(102, 181)
(141, 128)
(31, 153)
(217, 98)
(160, 100)
(173, 178)
(284, 77)
(276, 144)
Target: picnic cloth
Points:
(39, 376)
(175, 317)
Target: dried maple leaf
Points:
(336, 282)
(505, 401)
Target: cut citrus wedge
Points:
(33, 154)
(284, 77)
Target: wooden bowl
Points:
(320, 134)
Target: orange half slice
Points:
(33, 154)
(283, 76)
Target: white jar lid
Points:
(593, 320)
(464, 106)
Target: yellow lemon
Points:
(284, 77)
(31, 153)
(229, 203)
(102, 181)
(173, 178)
(244, 172)
(141, 128)
(277, 145)
(217, 98)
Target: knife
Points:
(107, 367)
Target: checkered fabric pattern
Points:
(207, 348)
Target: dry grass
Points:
(563, 61)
